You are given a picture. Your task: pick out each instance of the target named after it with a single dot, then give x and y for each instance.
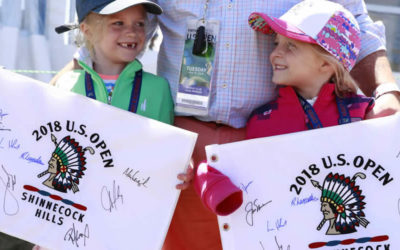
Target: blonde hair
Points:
(97, 23)
(344, 83)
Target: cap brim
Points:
(266, 24)
(114, 7)
(119, 5)
(66, 27)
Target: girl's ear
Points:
(85, 29)
(326, 67)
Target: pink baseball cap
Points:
(320, 22)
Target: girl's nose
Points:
(131, 30)
(275, 53)
(131, 33)
(279, 49)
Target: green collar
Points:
(133, 66)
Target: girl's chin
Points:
(127, 59)
(277, 82)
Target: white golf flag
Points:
(77, 173)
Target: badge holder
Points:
(194, 89)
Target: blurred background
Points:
(30, 46)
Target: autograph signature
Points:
(10, 203)
(251, 208)
(278, 225)
(74, 236)
(109, 198)
(2, 114)
(30, 159)
(1, 121)
(14, 144)
(280, 247)
(134, 178)
(244, 188)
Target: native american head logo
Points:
(66, 165)
(341, 204)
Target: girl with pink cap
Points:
(317, 43)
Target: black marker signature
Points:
(251, 208)
(134, 178)
(280, 247)
(244, 188)
(74, 236)
(109, 199)
(9, 186)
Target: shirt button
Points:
(227, 45)
(224, 85)
(229, 6)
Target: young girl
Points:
(114, 33)
(317, 43)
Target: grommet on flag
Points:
(214, 158)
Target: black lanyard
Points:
(135, 94)
(313, 120)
